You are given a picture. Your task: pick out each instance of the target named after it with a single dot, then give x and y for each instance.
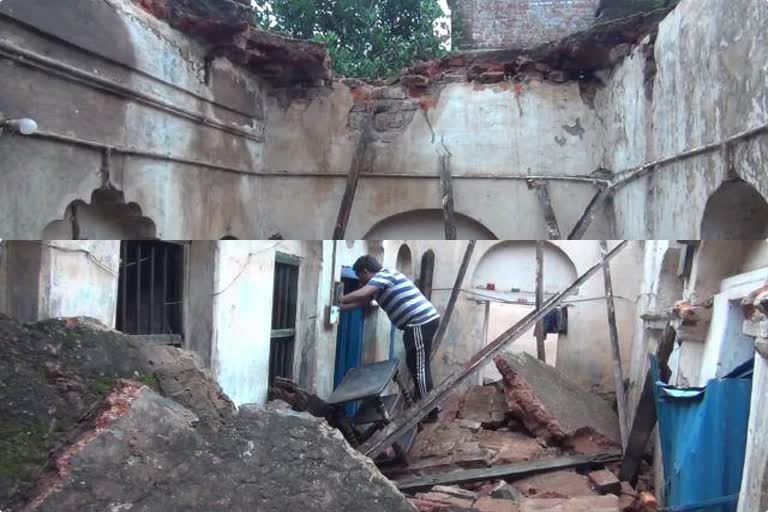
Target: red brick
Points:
(486, 504)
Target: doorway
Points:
(349, 338)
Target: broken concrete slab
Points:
(550, 405)
(139, 450)
(504, 491)
(558, 484)
(605, 482)
(591, 504)
(486, 405)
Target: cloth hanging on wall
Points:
(556, 321)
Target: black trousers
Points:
(418, 348)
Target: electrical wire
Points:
(245, 266)
(96, 261)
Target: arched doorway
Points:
(426, 225)
(735, 211)
(504, 283)
(106, 217)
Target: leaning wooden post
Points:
(440, 333)
(359, 161)
(618, 374)
(540, 334)
(446, 193)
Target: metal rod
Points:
(540, 335)
(165, 289)
(412, 417)
(138, 289)
(618, 374)
(151, 288)
(72, 73)
(124, 251)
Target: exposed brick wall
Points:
(520, 23)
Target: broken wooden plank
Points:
(457, 285)
(644, 419)
(360, 161)
(550, 219)
(588, 215)
(507, 471)
(446, 192)
(540, 334)
(613, 332)
(412, 417)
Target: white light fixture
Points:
(21, 126)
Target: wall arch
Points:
(404, 262)
(426, 225)
(106, 217)
(735, 211)
(512, 265)
(427, 273)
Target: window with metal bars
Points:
(150, 289)
(284, 301)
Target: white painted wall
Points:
(79, 278)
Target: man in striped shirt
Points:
(407, 309)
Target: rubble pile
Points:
(533, 414)
(92, 419)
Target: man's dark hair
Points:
(368, 263)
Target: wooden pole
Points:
(550, 219)
(411, 418)
(446, 191)
(359, 161)
(618, 373)
(440, 334)
(540, 334)
(582, 224)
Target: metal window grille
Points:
(283, 338)
(150, 289)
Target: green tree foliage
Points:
(365, 38)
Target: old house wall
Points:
(149, 96)
(519, 23)
(703, 80)
(584, 352)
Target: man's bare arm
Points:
(364, 294)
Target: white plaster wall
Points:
(80, 278)
(755, 480)
(712, 71)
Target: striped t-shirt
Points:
(404, 304)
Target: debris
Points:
(488, 504)
(485, 405)
(647, 502)
(559, 484)
(605, 482)
(299, 398)
(551, 406)
(607, 503)
(503, 491)
(518, 470)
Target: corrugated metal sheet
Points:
(703, 441)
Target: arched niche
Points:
(404, 261)
(735, 211)
(106, 217)
(511, 265)
(230, 238)
(427, 273)
(426, 225)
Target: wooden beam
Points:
(411, 418)
(446, 192)
(540, 334)
(613, 332)
(507, 471)
(360, 161)
(588, 215)
(550, 219)
(457, 285)
(644, 419)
